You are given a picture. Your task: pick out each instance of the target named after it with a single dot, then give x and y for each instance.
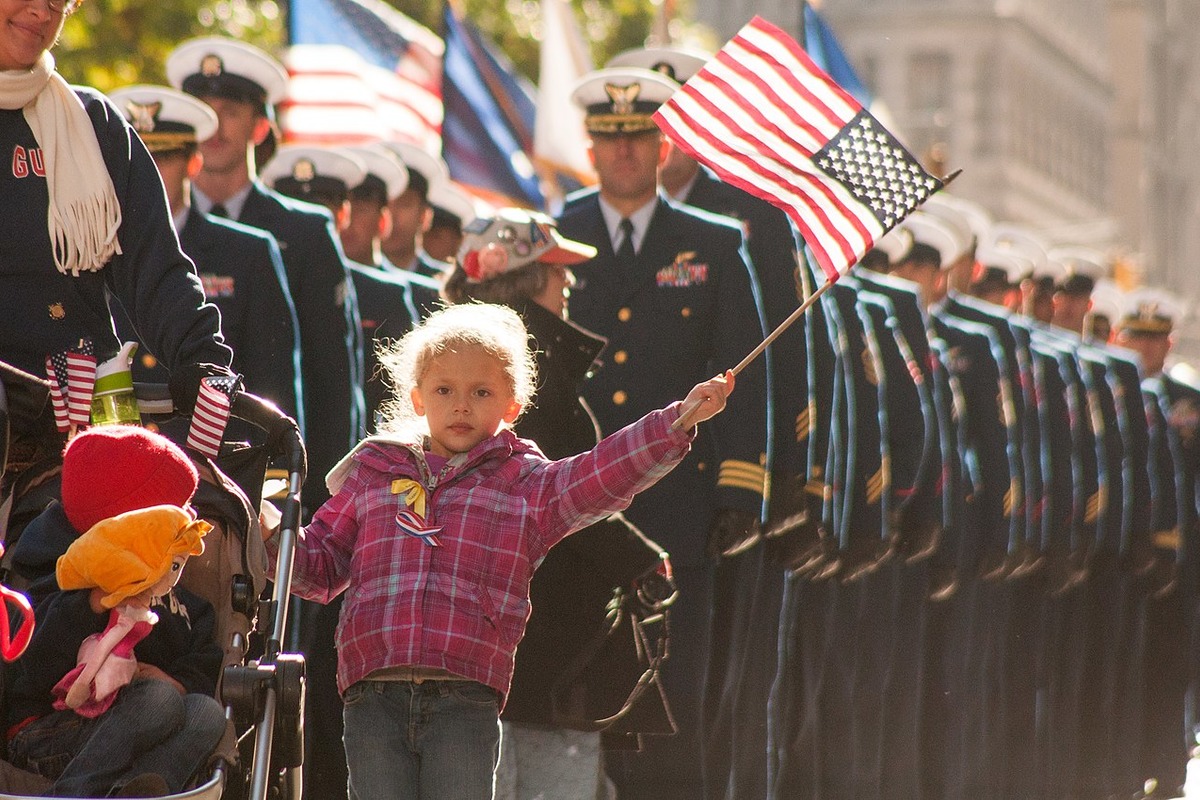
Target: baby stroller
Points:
(261, 755)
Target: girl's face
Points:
(465, 395)
(28, 28)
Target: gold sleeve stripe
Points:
(803, 425)
(816, 488)
(1167, 540)
(742, 475)
(875, 486)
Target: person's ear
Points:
(262, 126)
(664, 149)
(591, 151)
(512, 412)
(195, 164)
(385, 222)
(417, 403)
(341, 218)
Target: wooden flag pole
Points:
(685, 416)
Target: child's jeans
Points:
(150, 728)
(434, 740)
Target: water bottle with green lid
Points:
(113, 399)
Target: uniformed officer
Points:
(240, 267)
(1146, 327)
(369, 223)
(452, 210)
(1082, 267)
(411, 212)
(737, 691)
(671, 292)
(1104, 312)
(242, 83)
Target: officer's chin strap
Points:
(685, 417)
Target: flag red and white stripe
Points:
(767, 119)
(211, 414)
(335, 97)
(72, 375)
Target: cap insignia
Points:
(623, 97)
(143, 116)
(304, 170)
(211, 66)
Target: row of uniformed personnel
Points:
(993, 594)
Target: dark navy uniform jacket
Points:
(685, 310)
(330, 348)
(243, 275)
(772, 244)
(385, 304)
(47, 312)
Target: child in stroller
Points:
(147, 718)
(230, 574)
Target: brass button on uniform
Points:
(619, 398)
(685, 312)
(624, 314)
(701, 466)
(620, 357)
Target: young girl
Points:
(434, 532)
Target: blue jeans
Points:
(150, 728)
(435, 740)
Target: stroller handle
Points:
(283, 433)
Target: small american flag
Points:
(212, 413)
(767, 119)
(414, 525)
(72, 375)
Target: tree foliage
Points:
(111, 43)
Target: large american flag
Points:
(361, 71)
(72, 375)
(766, 118)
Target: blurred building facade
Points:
(1079, 118)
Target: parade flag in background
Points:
(767, 119)
(560, 142)
(825, 51)
(381, 79)
(487, 130)
(211, 415)
(72, 375)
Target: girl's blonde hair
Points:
(495, 329)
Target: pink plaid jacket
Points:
(462, 605)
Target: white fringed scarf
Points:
(84, 213)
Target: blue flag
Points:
(487, 128)
(823, 48)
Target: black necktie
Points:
(218, 210)
(625, 252)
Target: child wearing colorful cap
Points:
(115, 694)
(434, 530)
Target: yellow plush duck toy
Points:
(128, 560)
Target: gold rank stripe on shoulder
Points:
(742, 475)
(803, 425)
(1167, 540)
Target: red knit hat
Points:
(111, 469)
